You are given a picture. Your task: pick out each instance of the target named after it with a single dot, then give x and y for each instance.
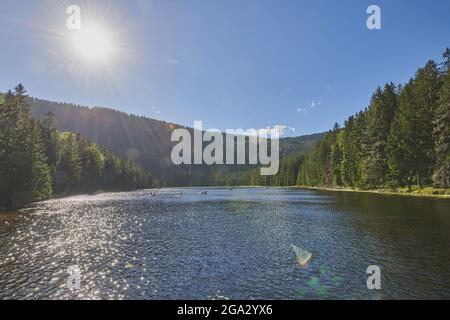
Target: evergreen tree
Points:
(441, 176)
(50, 139)
(392, 141)
(351, 149)
(41, 181)
(336, 156)
(24, 172)
(446, 62)
(426, 90)
(379, 118)
(34, 155)
(68, 172)
(401, 155)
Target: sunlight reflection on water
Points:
(230, 244)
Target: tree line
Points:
(148, 141)
(401, 140)
(37, 161)
(287, 174)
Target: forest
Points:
(401, 140)
(148, 141)
(38, 162)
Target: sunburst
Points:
(97, 53)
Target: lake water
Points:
(232, 244)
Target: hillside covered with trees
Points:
(401, 140)
(147, 142)
(37, 161)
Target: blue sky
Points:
(230, 63)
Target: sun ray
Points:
(99, 54)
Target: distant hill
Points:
(146, 140)
(296, 145)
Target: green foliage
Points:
(287, 175)
(83, 166)
(402, 151)
(36, 160)
(24, 173)
(401, 140)
(392, 143)
(350, 144)
(380, 115)
(441, 176)
(148, 141)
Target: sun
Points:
(97, 50)
(93, 44)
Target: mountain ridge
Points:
(146, 140)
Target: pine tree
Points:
(7, 120)
(380, 116)
(24, 171)
(426, 90)
(41, 181)
(34, 154)
(336, 156)
(68, 172)
(446, 62)
(92, 164)
(441, 176)
(351, 149)
(400, 148)
(50, 138)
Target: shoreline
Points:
(378, 192)
(419, 193)
(4, 211)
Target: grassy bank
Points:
(428, 192)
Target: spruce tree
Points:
(441, 176)
(426, 91)
(50, 139)
(41, 181)
(380, 116)
(400, 147)
(68, 172)
(24, 171)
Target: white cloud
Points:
(280, 130)
(313, 104)
(309, 106)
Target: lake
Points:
(229, 244)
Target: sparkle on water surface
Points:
(231, 244)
